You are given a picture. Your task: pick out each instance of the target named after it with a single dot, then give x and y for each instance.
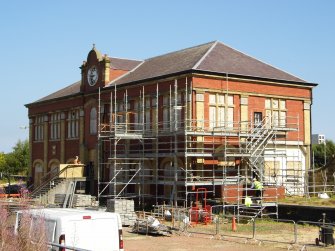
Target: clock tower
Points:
(95, 71)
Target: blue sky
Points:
(43, 43)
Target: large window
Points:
(55, 126)
(93, 121)
(275, 112)
(172, 111)
(221, 111)
(39, 124)
(137, 115)
(166, 112)
(73, 124)
(147, 124)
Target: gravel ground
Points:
(182, 242)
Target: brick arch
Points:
(37, 175)
(163, 165)
(38, 161)
(53, 164)
(52, 161)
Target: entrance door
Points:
(38, 174)
(258, 117)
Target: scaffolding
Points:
(152, 149)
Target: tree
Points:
(17, 161)
(323, 153)
(2, 161)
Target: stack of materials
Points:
(151, 226)
(79, 200)
(82, 200)
(125, 208)
(59, 198)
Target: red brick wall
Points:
(295, 112)
(250, 87)
(66, 104)
(71, 148)
(113, 74)
(37, 151)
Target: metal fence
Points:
(281, 231)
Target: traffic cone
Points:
(233, 224)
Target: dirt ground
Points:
(183, 242)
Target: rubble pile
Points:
(151, 226)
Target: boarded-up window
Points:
(221, 117)
(212, 116)
(221, 110)
(166, 117)
(221, 99)
(200, 97)
(147, 120)
(230, 100)
(212, 99)
(282, 119)
(294, 169)
(272, 168)
(275, 112)
(230, 118)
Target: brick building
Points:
(157, 130)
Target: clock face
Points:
(92, 75)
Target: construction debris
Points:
(151, 226)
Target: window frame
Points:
(224, 104)
(73, 124)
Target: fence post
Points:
(138, 223)
(217, 224)
(295, 233)
(172, 214)
(253, 228)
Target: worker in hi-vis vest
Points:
(247, 201)
(258, 186)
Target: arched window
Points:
(169, 171)
(54, 168)
(93, 121)
(38, 173)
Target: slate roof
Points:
(123, 64)
(223, 59)
(214, 57)
(210, 58)
(67, 91)
(170, 63)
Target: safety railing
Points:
(52, 176)
(281, 231)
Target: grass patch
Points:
(311, 201)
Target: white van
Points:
(84, 229)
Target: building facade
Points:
(157, 130)
(318, 139)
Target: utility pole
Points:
(325, 147)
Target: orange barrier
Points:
(233, 224)
(12, 195)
